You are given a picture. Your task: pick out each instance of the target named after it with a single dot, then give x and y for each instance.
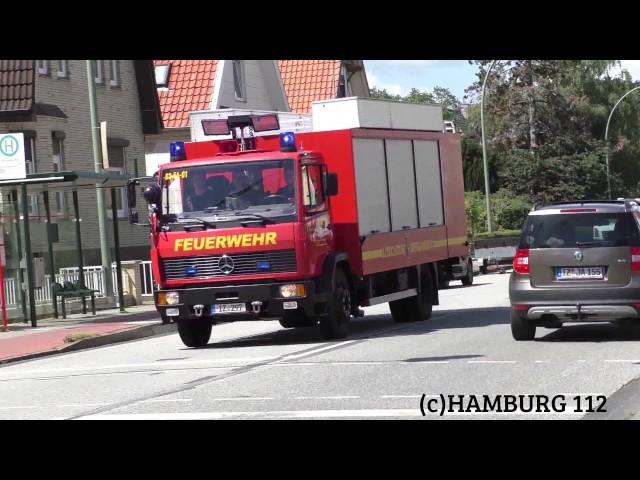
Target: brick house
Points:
(47, 100)
(185, 86)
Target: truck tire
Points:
(414, 309)
(521, 327)
(334, 325)
(195, 333)
(468, 278)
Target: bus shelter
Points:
(18, 192)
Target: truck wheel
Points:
(468, 278)
(334, 324)
(521, 327)
(416, 308)
(194, 333)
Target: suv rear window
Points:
(568, 230)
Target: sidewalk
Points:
(78, 331)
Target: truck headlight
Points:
(168, 298)
(292, 290)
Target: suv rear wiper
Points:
(254, 215)
(588, 244)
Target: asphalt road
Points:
(263, 371)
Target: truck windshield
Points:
(265, 187)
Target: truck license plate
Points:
(228, 308)
(580, 273)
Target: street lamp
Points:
(484, 148)
(606, 135)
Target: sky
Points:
(400, 76)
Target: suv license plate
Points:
(228, 308)
(580, 273)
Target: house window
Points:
(43, 67)
(30, 166)
(98, 66)
(115, 73)
(58, 166)
(117, 162)
(63, 71)
(238, 80)
(162, 75)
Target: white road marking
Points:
(157, 364)
(406, 396)
(622, 361)
(18, 407)
(235, 399)
(491, 361)
(542, 361)
(406, 412)
(330, 397)
(161, 400)
(317, 350)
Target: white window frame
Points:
(243, 83)
(30, 167)
(99, 78)
(167, 66)
(60, 204)
(115, 73)
(43, 67)
(63, 69)
(121, 191)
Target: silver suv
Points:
(576, 262)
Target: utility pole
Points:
(487, 191)
(105, 250)
(606, 139)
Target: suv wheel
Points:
(521, 327)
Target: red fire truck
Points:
(306, 227)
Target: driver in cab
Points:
(245, 187)
(201, 197)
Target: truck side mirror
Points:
(331, 184)
(153, 194)
(131, 193)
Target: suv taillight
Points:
(635, 259)
(521, 261)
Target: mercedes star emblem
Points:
(225, 264)
(578, 255)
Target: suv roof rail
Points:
(628, 202)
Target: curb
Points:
(624, 404)
(101, 340)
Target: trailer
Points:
(362, 206)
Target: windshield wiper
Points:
(254, 215)
(204, 222)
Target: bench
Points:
(70, 290)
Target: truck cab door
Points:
(317, 218)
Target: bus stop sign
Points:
(12, 161)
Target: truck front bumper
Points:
(272, 304)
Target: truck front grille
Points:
(211, 266)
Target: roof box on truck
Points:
(355, 112)
(289, 122)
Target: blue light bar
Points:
(176, 151)
(191, 270)
(263, 266)
(287, 142)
